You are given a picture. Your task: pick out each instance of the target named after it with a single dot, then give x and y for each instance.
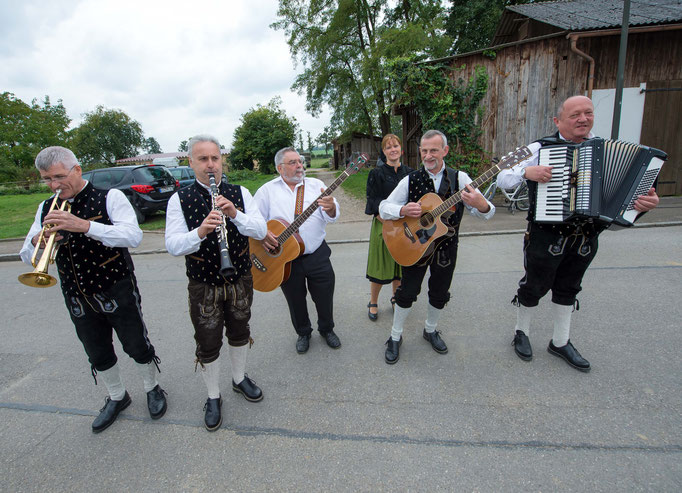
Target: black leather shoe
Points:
(248, 389)
(570, 355)
(109, 413)
(437, 343)
(302, 344)
(522, 347)
(393, 350)
(372, 316)
(332, 339)
(212, 418)
(156, 402)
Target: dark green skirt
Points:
(381, 268)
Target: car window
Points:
(177, 173)
(190, 173)
(151, 173)
(117, 175)
(102, 179)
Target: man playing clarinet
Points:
(217, 299)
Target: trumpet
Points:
(226, 267)
(39, 278)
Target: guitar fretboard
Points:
(457, 197)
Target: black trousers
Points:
(313, 273)
(555, 260)
(441, 269)
(116, 309)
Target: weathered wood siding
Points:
(528, 81)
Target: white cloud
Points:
(178, 68)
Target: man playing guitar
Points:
(433, 176)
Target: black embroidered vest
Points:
(204, 264)
(85, 265)
(420, 183)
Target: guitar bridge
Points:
(408, 233)
(257, 263)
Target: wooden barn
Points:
(543, 53)
(349, 146)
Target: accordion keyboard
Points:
(552, 196)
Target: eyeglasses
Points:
(57, 178)
(294, 162)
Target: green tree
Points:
(472, 23)
(344, 46)
(183, 147)
(107, 135)
(263, 131)
(24, 131)
(152, 146)
(325, 139)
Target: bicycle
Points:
(517, 198)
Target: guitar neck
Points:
(456, 198)
(293, 227)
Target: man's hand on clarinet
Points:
(647, 202)
(210, 223)
(226, 206)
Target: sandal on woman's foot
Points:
(372, 316)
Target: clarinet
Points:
(226, 267)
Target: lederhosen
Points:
(442, 264)
(556, 256)
(216, 301)
(100, 289)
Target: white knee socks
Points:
(112, 381)
(523, 316)
(432, 317)
(238, 362)
(148, 372)
(399, 316)
(562, 324)
(211, 374)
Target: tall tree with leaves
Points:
(152, 146)
(25, 130)
(107, 135)
(472, 23)
(263, 131)
(344, 46)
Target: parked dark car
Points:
(148, 187)
(184, 174)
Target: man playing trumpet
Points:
(97, 279)
(217, 299)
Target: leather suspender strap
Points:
(299, 200)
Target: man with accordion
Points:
(209, 222)
(557, 253)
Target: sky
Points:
(179, 68)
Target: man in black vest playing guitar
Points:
(97, 277)
(556, 256)
(217, 300)
(433, 176)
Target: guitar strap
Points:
(299, 200)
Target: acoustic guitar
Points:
(414, 239)
(271, 268)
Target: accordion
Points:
(597, 180)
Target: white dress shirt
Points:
(390, 207)
(181, 241)
(277, 201)
(512, 177)
(123, 233)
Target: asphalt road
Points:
(475, 419)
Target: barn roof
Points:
(581, 15)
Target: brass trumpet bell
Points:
(37, 279)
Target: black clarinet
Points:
(226, 267)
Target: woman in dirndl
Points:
(381, 268)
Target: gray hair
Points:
(279, 157)
(433, 133)
(201, 138)
(50, 156)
